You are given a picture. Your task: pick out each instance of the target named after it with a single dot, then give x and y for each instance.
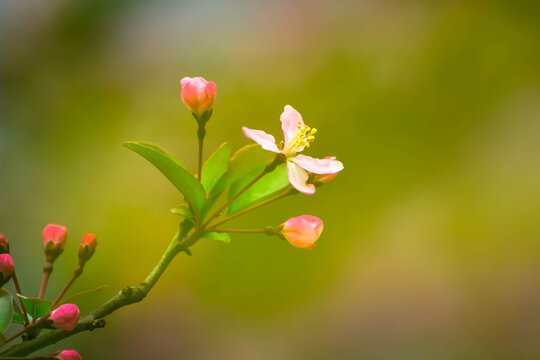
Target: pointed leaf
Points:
(6, 310)
(269, 185)
(18, 315)
(248, 159)
(35, 307)
(184, 211)
(173, 170)
(217, 236)
(215, 167)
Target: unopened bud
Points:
(54, 239)
(4, 245)
(88, 246)
(303, 231)
(65, 317)
(6, 268)
(68, 355)
(198, 95)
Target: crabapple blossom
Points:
(54, 239)
(297, 136)
(198, 94)
(65, 317)
(6, 268)
(69, 355)
(88, 246)
(302, 231)
(4, 245)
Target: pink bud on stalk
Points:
(4, 245)
(54, 239)
(303, 231)
(198, 95)
(6, 268)
(68, 355)
(88, 246)
(65, 317)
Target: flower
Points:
(88, 246)
(65, 317)
(69, 355)
(302, 231)
(297, 136)
(6, 268)
(4, 245)
(54, 239)
(54, 233)
(198, 94)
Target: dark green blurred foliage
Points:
(430, 248)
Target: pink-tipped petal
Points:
(318, 166)
(289, 122)
(298, 178)
(267, 141)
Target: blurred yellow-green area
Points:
(431, 246)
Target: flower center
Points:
(303, 138)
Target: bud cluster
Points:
(64, 317)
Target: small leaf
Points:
(217, 236)
(6, 310)
(246, 160)
(2, 339)
(215, 167)
(173, 170)
(18, 316)
(35, 307)
(269, 185)
(184, 211)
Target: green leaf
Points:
(215, 167)
(173, 170)
(2, 339)
(35, 307)
(184, 211)
(18, 316)
(217, 236)
(6, 310)
(248, 159)
(268, 186)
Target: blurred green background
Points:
(432, 231)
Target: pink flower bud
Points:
(65, 317)
(69, 355)
(302, 231)
(198, 94)
(6, 268)
(54, 239)
(88, 246)
(4, 245)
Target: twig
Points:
(94, 320)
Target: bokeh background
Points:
(432, 231)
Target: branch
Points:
(94, 320)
